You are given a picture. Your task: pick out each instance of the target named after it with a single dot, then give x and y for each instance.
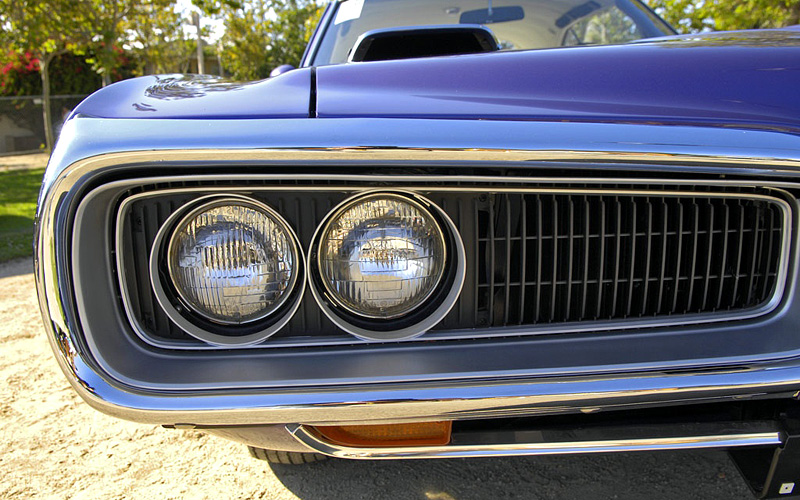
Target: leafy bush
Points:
(69, 73)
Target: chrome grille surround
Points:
(478, 252)
(754, 373)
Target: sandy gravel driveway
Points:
(52, 445)
(20, 162)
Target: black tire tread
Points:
(285, 457)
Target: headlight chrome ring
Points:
(228, 270)
(388, 265)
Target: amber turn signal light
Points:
(416, 434)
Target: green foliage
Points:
(604, 27)
(292, 30)
(215, 7)
(155, 34)
(38, 27)
(71, 74)
(107, 26)
(692, 16)
(19, 75)
(45, 30)
(18, 192)
(264, 34)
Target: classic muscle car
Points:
(460, 228)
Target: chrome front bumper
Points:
(452, 399)
(523, 443)
(412, 402)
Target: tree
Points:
(69, 74)
(156, 31)
(45, 30)
(292, 30)
(692, 16)
(263, 34)
(213, 8)
(106, 27)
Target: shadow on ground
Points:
(16, 267)
(671, 474)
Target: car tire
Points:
(285, 457)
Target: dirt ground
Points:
(17, 162)
(52, 445)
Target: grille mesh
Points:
(538, 259)
(557, 258)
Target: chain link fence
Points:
(22, 123)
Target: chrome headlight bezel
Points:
(194, 321)
(423, 316)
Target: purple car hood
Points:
(747, 78)
(750, 77)
(201, 97)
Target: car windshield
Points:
(517, 24)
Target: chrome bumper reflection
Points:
(519, 446)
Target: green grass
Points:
(18, 192)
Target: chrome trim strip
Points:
(575, 327)
(315, 441)
(399, 403)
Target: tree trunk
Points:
(201, 66)
(106, 77)
(44, 70)
(794, 16)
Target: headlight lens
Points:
(381, 256)
(233, 261)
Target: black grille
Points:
(551, 258)
(536, 259)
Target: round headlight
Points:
(232, 261)
(381, 256)
(384, 261)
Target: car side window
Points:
(608, 26)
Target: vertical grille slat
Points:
(508, 276)
(723, 261)
(554, 252)
(648, 253)
(492, 263)
(570, 260)
(617, 256)
(770, 256)
(601, 260)
(693, 260)
(663, 266)
(477, 247)
(539, 238)
(632, 259)
(739, 250)
(754, 257)
(586, 241)
(709, 253)
(523, 224)
(678, 261)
